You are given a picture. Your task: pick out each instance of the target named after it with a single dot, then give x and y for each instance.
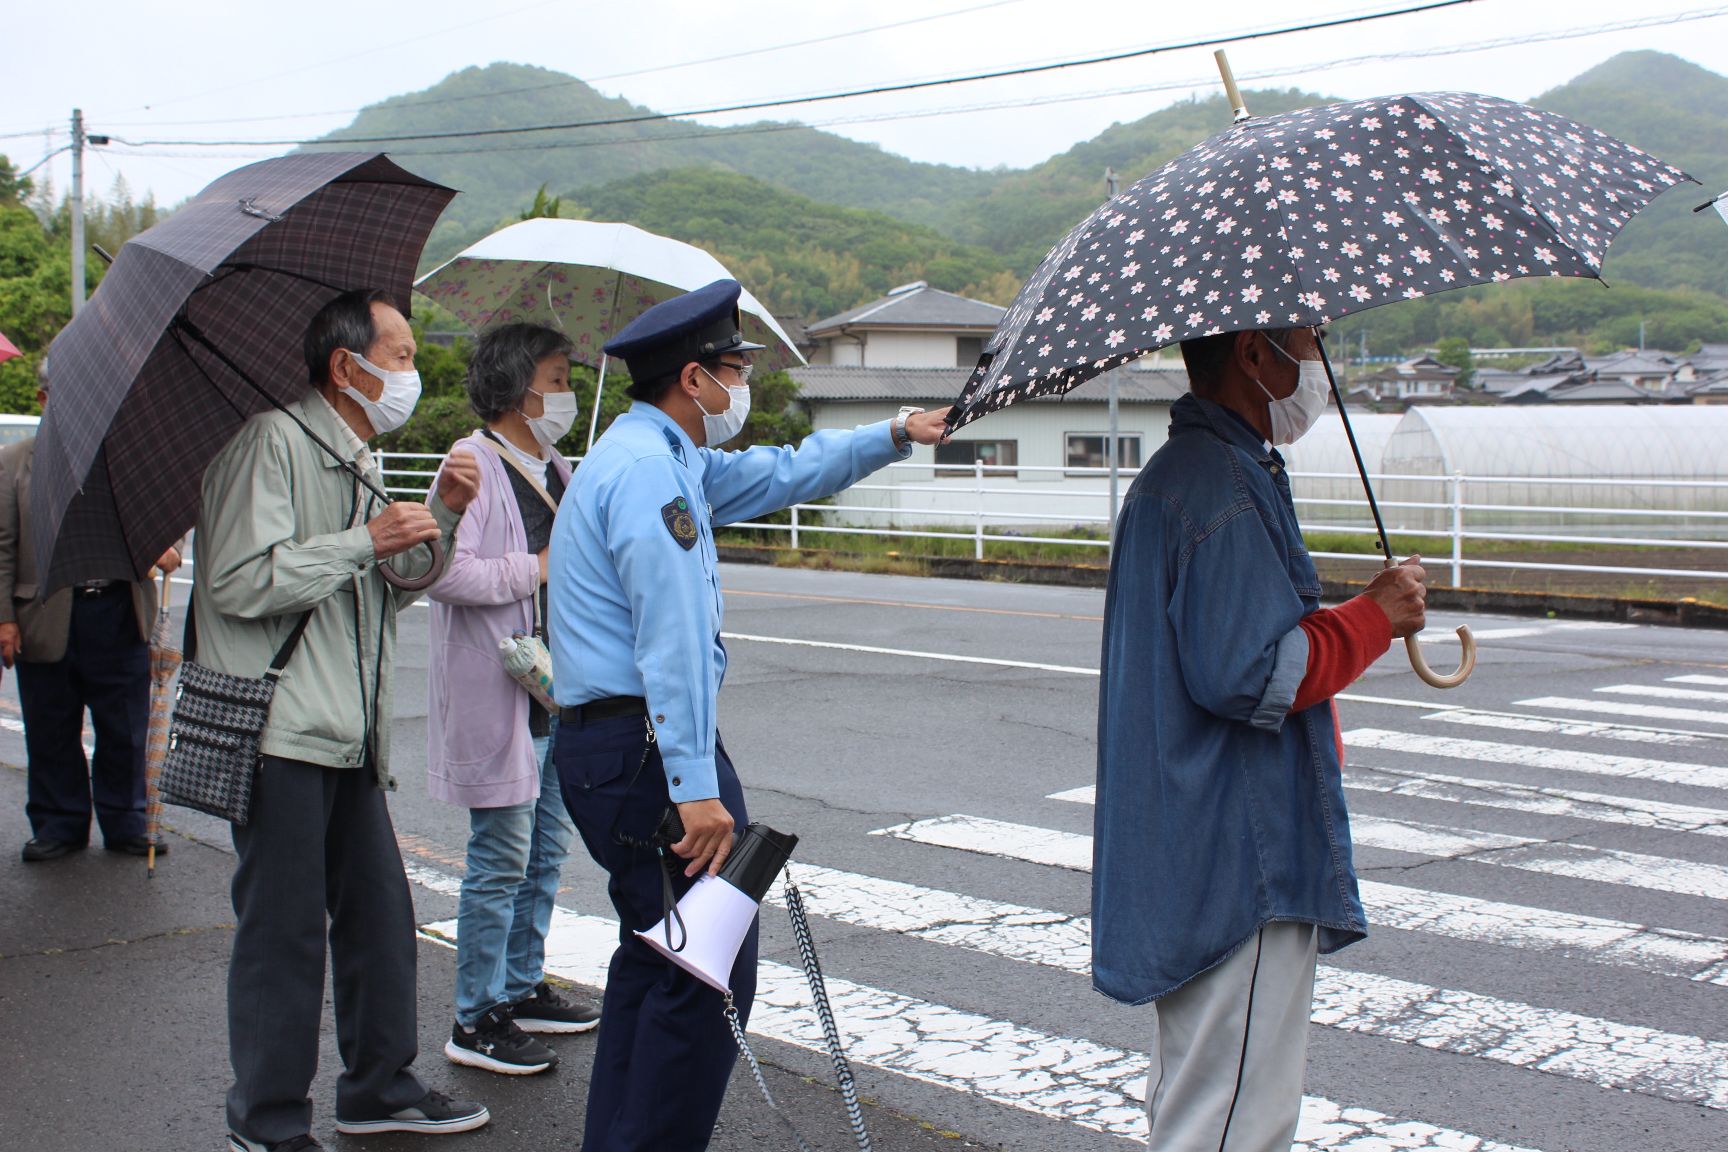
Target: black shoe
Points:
(547, 1011)
(137, 846)
(41, 849)
(497, 1045)
(434, 1114)
(239, 1143)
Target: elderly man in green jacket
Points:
(288, 532)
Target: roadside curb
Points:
(1684, 613)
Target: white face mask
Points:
(393, 407)
(1294, 414)
(557, 414)
(720, 427)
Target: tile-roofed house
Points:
(915, 325)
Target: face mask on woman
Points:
(720, 427)
(1294, 414)
(395, 404)
(557, 414)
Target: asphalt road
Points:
(1544, 854)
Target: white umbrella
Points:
(589, 280)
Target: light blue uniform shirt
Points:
(635, 606)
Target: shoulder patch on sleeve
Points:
(679, 522)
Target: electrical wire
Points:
(883, 89)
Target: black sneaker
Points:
(547, 1011)
(239, 1143)
(497, 1045)
(137, 846)
(41, 849)
(434, 1114)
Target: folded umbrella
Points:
(165, 661)
(196, 327)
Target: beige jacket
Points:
(283, 530)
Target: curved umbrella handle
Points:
(416, 583)
(1465, 666)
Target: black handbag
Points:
(213, 755)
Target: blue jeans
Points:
(515, 855)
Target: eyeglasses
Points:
(743, 370)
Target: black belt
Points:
(608, 709)
(94, 588)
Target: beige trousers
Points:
(1229, 1049)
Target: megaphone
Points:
(717, 912)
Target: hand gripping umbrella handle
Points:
(422, 582)
(1467, 665)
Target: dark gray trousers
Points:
(319, 843)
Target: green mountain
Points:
(818, 223)
(1679, 112)
(801, 257)
(498, 175)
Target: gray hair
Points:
(503, 365)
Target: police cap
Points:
(698, 325)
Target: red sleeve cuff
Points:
(1342, 643)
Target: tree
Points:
(1455, 352)
(14, 189)
(543, 206)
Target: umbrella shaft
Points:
(1356, 452)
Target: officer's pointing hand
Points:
(927, 427)
(707, 835)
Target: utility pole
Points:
(77, 210)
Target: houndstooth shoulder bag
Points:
(213, 752)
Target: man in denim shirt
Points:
(1223, 849)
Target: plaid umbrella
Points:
(197, 326)
(1298, 219)
(164, 663)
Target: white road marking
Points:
(1700, 678)
(1659, 692)
(1492, 752)
(1598, 806)
(1600, 1051)
(1062, 1078)
(1545, 726)
(1618, 708)
(1438, 632)
(944, 656)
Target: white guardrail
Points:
(993, 504)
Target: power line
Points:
(1313, 26)
(700, 133)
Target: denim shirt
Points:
(1217, 810)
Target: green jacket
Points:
(283, 530)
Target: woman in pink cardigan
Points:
(488, 745)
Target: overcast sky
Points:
(209, 70)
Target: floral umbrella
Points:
(1298, 219)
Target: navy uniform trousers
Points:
(665, 1052)
(107, 669)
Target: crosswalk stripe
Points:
(1433, 709)
(1062, 1078)
(1542, 725)
(948, 657)
(1553, 858)
(1699, 678)
(1620, 708)
(1569, 1044)
(1073, 850)
(1493, 752)
(1597, 806)
(1661, 692)
(1663, 951)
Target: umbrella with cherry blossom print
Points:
(1299, 219)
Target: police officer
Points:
(635, 619)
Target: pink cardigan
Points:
(479, 753)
